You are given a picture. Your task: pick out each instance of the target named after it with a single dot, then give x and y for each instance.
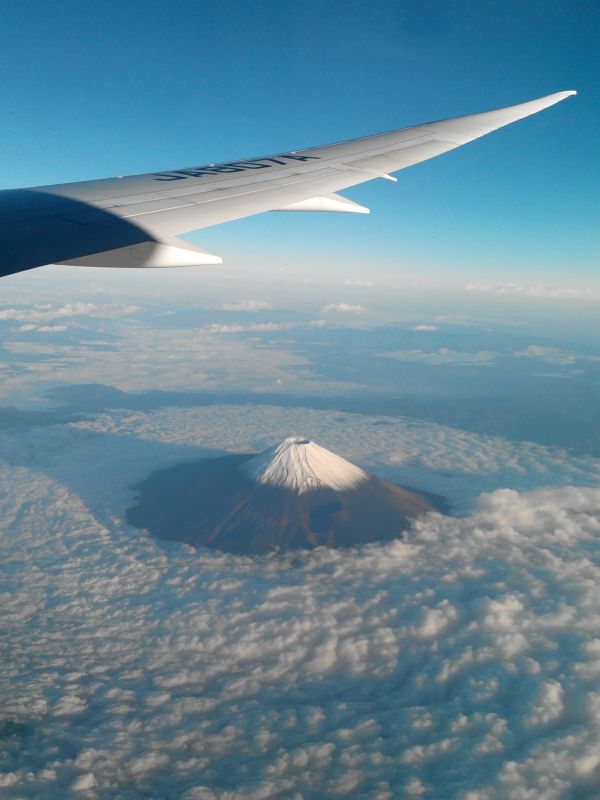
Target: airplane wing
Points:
(134, 221)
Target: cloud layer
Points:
(461, 662)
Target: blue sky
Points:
(96, 89)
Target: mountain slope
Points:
(292, 496)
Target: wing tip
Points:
(557, 97)
(539, 104)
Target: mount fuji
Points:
(294, 495)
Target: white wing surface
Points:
(134, 221)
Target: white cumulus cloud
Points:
(246, 305)
(45, 312)
(553, 355)
(443, 357)
(343, 308)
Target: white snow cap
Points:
(303, 466)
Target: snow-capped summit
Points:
(303, 466)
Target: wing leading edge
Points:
(133, 221)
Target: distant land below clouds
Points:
(564, 420)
